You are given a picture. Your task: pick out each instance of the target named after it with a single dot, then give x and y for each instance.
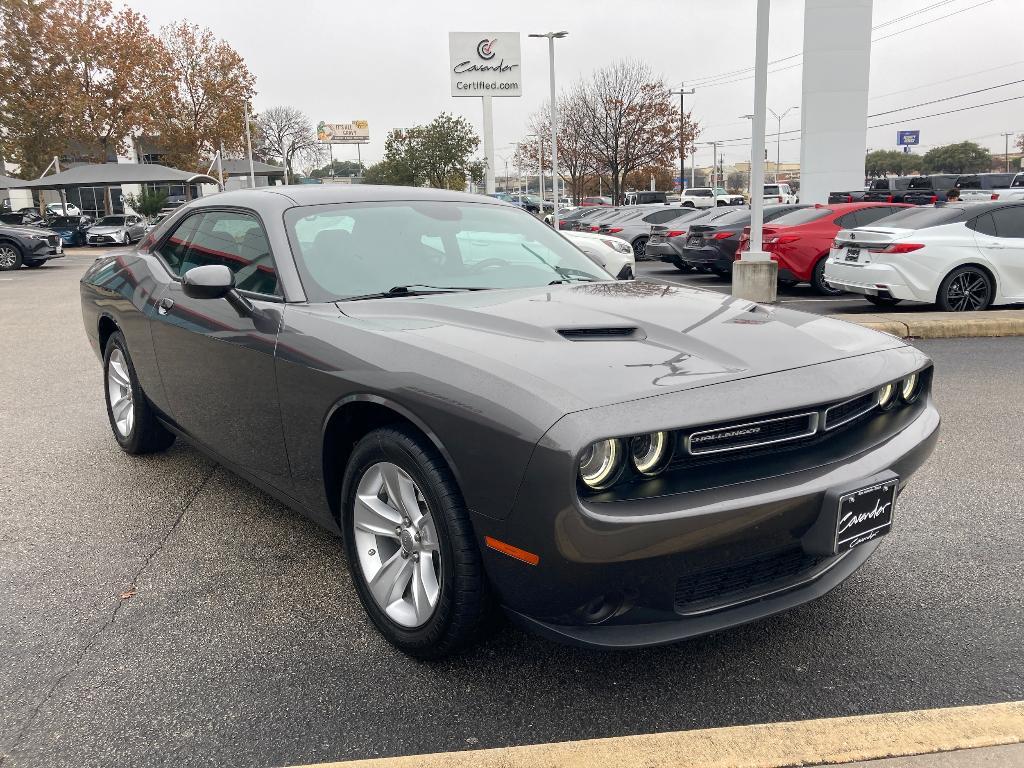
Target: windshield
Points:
(111, 221)
(802, 216)
(771, 189)
(360, 249)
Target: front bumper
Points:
(655, 570)
(92, 239)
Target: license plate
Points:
(695, 240)
(656, 239)
(865, 514)
(852, 254)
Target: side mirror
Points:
(214, 281)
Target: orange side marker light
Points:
(507, 549)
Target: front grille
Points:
(733, 437)
(840, 414)
(716, 586)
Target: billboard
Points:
(908, 138)
(485, 63)
(356, 132)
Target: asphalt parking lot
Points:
(161, 611)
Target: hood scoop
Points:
(609, 333)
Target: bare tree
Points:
(628, 120)
(286, 134)
(575, 154)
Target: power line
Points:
(722, 79)
(946, 80)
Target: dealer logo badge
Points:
(485, 49)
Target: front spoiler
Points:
(626, 636)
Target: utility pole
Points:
(682, 92)
(714, 162)
(248, 148)
(1006, 150)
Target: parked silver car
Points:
(121, 229)
(636, 230)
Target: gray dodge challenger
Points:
(491, 421)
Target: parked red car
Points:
(800, 240)
(589, 201)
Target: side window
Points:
(1009, 222)
(237, 241)
(175, 248)
(985, 225)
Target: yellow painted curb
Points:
(772, 745)
(943, 325)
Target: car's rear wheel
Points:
(682, 266)
(410, 545)
(883, 301)
(818, 282)
(965, 289)
(10, 257)
(640, 249)
(132, 420)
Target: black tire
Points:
(688, 204)
(640, 248)
(818, 280)
(34, 263)
(965, 289)
(723, 273)
(147, 434)
(682, 267)
(10, 256)
(464, 604)
(883, 301)
(786, 283)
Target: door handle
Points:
(164, 305)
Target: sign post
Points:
(485, 64)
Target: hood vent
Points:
(600, 334)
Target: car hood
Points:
(587, 345)
(24, 231)
(106, 229)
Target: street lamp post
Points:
(778, 134)
(552, 36)
(714, 162)
(681, 93)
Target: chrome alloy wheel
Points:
(399, 554)
(119, 392)
(8, 257)
(968, 291)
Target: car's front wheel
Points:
(965, 289)
(132, 420)
(410, 545)
(10, 257)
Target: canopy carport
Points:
(108, 175)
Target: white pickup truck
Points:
(981, 187)
(706, 197)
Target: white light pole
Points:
(755, 275)
(778, 134)
(552, 36)
(248, 148)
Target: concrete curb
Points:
(773, 745)
(943, 325)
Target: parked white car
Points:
(779, 194)
(962, 256)
(56, 209)
(616, 256)
(982, 187)
(707, 197)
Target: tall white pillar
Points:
(833, 117)
(488, 144)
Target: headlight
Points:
(909, 389)
(651, 452)
(887, 397)
(619, 245)
(601, 463)
(40, 237)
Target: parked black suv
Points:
(925, 190)
(889, 190)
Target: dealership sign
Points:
(356, 132)
(908, 138)
(485, 63)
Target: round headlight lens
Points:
(650, 452)
(600, 463)
(909, 389)
(887, 397)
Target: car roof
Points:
(325, 194)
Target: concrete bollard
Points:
(755, 280)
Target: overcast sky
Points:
(387, 61)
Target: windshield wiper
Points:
(565, 274)
(414, 289)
